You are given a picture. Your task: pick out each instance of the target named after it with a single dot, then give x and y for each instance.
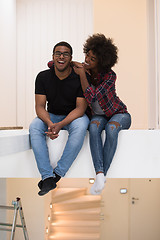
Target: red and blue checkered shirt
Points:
(105, 94)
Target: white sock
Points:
(98, 184)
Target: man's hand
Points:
(53, 130)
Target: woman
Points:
(109, 113)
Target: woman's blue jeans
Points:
(77, 131)
(102, 154)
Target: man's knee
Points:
(36, 124)
(31, 126)
(81, 123)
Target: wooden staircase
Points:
(74, 215)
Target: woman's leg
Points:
(96, 126)
(115, 124)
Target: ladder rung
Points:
(10, 225)
(6, 207)
(5, 229)
(6, 224)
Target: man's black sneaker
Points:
(56, 179)
(48, 184)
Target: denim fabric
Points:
(102, 154)
(77, 131)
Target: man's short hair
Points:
(63, 44)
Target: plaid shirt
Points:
(105, 93)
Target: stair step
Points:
(75, 223)
(87, 201)
(75, 230)
(73, 236)
(75, 227)
(85, 214)
(64, 194)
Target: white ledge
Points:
(13, 141)
(137, 155)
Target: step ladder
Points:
(17, 207)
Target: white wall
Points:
(152, 81)
(126, 22)
(157, 64)
(153, 37)
(40, 25)
(8, 62)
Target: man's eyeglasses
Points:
(65, 54)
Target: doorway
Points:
(131, 209)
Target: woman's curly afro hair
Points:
(104, 50)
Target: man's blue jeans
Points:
(77, 131)
(102, 155)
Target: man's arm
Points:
(79, 111)
(81, 106)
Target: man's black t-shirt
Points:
(60, 94)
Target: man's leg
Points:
(77, 131)
(38, 142)
(40, 149)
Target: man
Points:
(60, 88)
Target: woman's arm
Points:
(102, 89)
(80, 70)
(107, 84)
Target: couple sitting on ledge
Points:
(79, 96)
